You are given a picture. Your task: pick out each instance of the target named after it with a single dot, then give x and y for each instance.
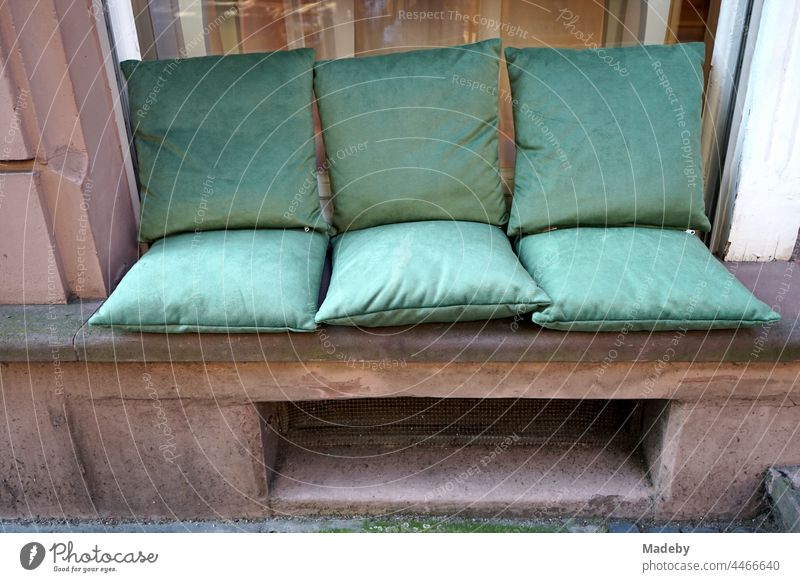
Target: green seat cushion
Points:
(425, 272)
(412, 136)
(608, 137)
(224, 142)
(635, 279)
(221, 281)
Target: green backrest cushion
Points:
(224, 142)
(426, 272)
(221, 281)
(608, 137)
(635, 279)
(413, 136)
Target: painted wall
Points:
(766, 215)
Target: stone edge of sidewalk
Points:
(783, 491)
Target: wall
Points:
(67, 221)
(766, 162)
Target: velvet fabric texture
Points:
(413, 136)
(635, 279)
(224, 142)
(425, 272)
(608, 137)
(221, 281)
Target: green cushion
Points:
(418, 272)
(224, 142)
(607, 138)
(221, 281)
(413, 136)
(635, 279)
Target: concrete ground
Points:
(410, 524)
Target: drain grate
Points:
(457, 421)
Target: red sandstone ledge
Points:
(42, 333)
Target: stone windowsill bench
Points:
(43, 332)
(130, 425)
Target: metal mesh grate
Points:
(456, 421)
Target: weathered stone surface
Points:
(793, 473)
(30, 266)
(151, 458)
(622, 527)
(723, 408)
(40, 469)
(26, 334)
(587, 528)
(462, 481)
(498, 341)
(784, 496)
(714, 455)
(706, 458)
(282, 381)
(41, 333)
